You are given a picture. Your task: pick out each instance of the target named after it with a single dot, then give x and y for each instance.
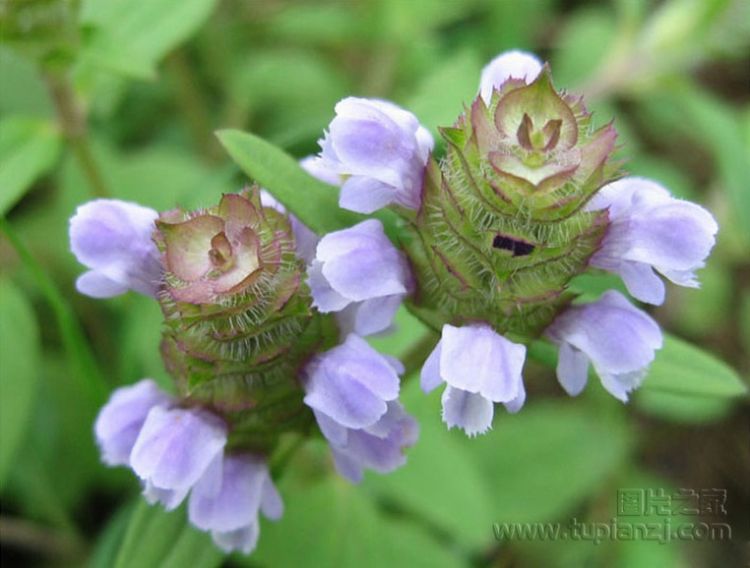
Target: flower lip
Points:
(651, 231)
(617, 338)
(113, 238)
(175, 447)
(480, 367)
(377, 151)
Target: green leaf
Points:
(293, 90)
(583, 447)
(155, 537)
(647, 551)
(314, 202)
(439, 98)
(110, 539)
(28, 148)
(85, 370)
(691, 114)
(130, 36)
(332, 523)
(682, 408)
(718, 127)
(683, 368)
(439, 482)
(575, 60)
(283, 78)
(19, 358)
(23, 91)
(700, 312)
(323, 24)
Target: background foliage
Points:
(121, 98)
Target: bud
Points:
(502, 228)
(239, 322)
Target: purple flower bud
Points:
(227, 499)
(352, 390)
(617, 338)
(351, 384)
(113, 239)
(360, 272)
(650, 230)
(174, 449)
(379, 150)
(121, 419)
(480, 367)
(508, 65)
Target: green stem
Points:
(192, 104)
(73, 123)
(80, 357)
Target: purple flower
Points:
(227, 499)
(352, 390)
(113, 239)
(480, 367)
(360, 274)
(173, 450)
(508, 65)
(379, 152)
(617, 338)
(650, 230)
(121, 419)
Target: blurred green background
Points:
(121, 98)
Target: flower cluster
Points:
(264, 320)
(525, 198)
(252, 359)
